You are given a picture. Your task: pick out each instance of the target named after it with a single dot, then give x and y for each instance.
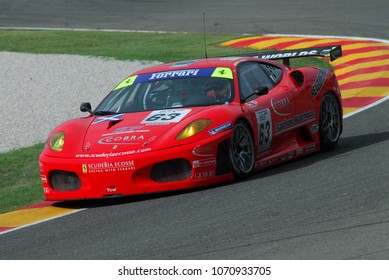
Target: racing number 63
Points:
(264, 133)
(161, 117)
(166, 116)
(264, 129)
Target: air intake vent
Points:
(64, 180)
(171, 171)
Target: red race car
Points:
(195, 123)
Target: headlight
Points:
(57, 141)
(193, 128)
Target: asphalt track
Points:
(332, 205)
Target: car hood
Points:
(139, 132)
(136, 131)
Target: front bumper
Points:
(187, 166)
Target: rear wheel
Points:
(330, 122)
(242, 150)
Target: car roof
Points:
(228, 61)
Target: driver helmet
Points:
(218, 89)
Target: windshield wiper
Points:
(104, 113)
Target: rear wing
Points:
(333, 52)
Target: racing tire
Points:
(330, 122)
(242, 155)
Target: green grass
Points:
(19, 178)
(19, 170)
(162, 47)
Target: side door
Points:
(270, 109)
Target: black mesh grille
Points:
(64, 181)
(171, 171)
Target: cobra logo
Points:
(118, 140)
(279, 105)
(204, 151)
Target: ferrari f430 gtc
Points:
(195, 123)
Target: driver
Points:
(218, 89)
(160, 96)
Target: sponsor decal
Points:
(221, 72)
(252, 104)
(296, 53)
(220, 128)
(110, 189)
(159, 117)
(43, 178)
(314, 128)
(204, 174)
(128, 129)
(280, 104)
(108, 166)
(114, 154)
(299, 119)
(108, 118)
(174, 74)
(125, 139)
(319, 82)
(204, 151)
(204, 162)
(310, 148)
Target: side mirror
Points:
(262, 90)
(86, 107)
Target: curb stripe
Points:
(366, 91)
(31, 215)
(363, 60)
(373, 70)
(379, 82)
(358, 102)
(362, 66)
(365, 77)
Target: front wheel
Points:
(330, 122)
(242, 155)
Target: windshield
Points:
(180, 88)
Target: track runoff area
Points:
(362, 72)
(363, 76)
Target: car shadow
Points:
(346, 145)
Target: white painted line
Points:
(366, 107)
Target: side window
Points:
(273, 72)
(254, 74)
